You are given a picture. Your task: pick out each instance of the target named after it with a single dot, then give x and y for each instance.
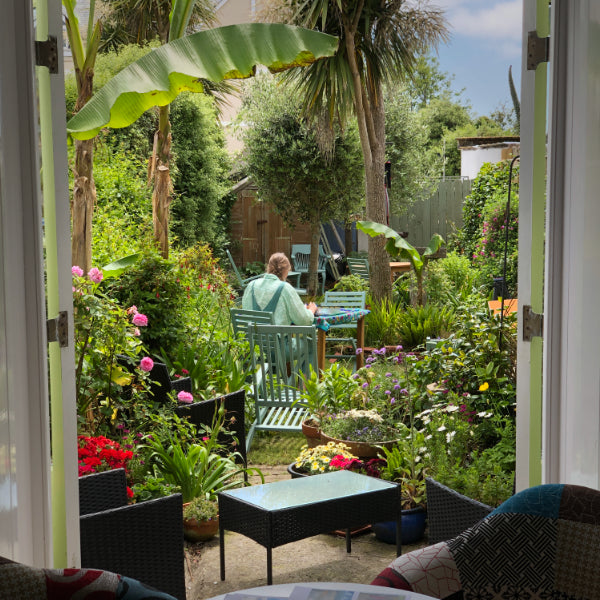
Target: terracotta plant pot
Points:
(312, 432)
(360, 449)
(200, 531)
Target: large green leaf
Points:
(115, 268)
(230, 52)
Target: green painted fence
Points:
(442, 213)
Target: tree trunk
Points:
(163, 188)
(379, 260)
(84, 189)
(313, 264)
(370, 116)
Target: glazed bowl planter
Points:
(200, 531)
(413, 527)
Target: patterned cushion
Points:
(21, 582)
(543, 543)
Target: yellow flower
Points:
(484, 386)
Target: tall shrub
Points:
(492, 178)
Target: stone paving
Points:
(318, 558)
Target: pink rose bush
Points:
(185, 397)
(146, 364)
(140, 320)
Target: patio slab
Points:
(318, 558)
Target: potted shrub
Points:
(404, 465)
(323, 394)
(320, 459)
(200, 519)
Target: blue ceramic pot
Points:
(413, 527)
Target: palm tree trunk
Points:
(163, 188)
(371, 129)
(84, 189)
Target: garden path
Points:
(318, 558)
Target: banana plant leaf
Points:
(230, 52)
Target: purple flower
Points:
(76, 271)
(388, 374)
(365, 386)
(387, 392)
(146, 364)
(359, 351)
(140, 320)
(396, 387)
(355, 376)
(185, 397)
(95, 275)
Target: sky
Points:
(485, 41)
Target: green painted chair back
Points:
(241, 318)
(241, 281)
(344, 300)
(280, 354)
(359, 266)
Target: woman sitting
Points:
(273, 294)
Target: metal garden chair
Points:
(242, 317)
(242, 282)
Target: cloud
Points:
(500, 20)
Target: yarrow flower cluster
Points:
(323, 458)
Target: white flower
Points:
(485, 414)
(442, 428)
(449, 436)
(451, 408)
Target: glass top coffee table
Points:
(277, 513)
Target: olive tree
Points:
(309, 172)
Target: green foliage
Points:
(418, 323)
(351, 283)
(477, 361)
(450, 279)
(492, 178)
(382, 323)
(153, 487)
(153, 285)
(308, 174)
(489, 251)
(202, 168)
(406, 140)
(123, 220)
(102, 330)
(201, 509)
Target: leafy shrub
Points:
(418, 323)
(153, 285)
(450, 278)
(492, 178)
(123, 215)
(202, 165)
(382, 323)
(351, 283)
(489, 251)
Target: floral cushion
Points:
(544, 542)
(21, 582)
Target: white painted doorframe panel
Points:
(24, 431)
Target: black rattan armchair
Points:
(143, 541)
(450, 513)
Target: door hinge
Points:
(538, 50)
(58, 329)
(46, 54)
(533, 324)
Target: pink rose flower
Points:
(146, 364)
(132, 310)
(137, 332)
(140, 320)
(95, 275)
(76, 271)
(185, 397)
